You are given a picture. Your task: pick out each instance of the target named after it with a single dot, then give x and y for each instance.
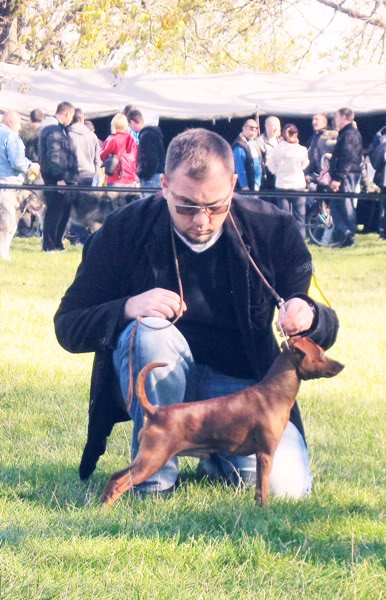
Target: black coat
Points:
(151, 152)
(128, 256)
(347, 155)
(57, 155)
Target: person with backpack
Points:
(59, 166)
(119, 154)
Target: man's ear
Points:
(164, 184)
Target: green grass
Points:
(207, 541)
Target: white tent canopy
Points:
(99, 93)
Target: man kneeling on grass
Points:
(224, 340)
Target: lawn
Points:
(207, 541)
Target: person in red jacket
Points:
(120, 143)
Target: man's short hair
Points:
(36, 115)
(134, 115)
(196, 148)
(347, 113)
(78, 115)
(250, 121)
(128, 108)
(321, 114)
(64, 107)
(271, 119)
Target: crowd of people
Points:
(333, 160)
(64, 151)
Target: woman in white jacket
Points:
(287, 162)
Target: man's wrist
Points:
(313, 306)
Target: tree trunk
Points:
(8, 31)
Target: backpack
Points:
(110, 164)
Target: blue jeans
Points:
(343, 209)
(183, 381)
(297, 207)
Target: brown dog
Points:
(247, 422)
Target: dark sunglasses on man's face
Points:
(190, 210)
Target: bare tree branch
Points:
(354, 13)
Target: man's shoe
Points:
(149, 491)
(348, 240)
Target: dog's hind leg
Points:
(151, 458)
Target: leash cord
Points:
(278, 300)
(140, 321)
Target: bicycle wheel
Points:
(320, 227)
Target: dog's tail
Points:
(149, 408)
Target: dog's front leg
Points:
(263, 471)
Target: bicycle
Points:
(319, 223)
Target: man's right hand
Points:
(34, 168)
(154, 303)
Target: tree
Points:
(8, 30)
(366, 40)
(182, 36)
(176, 35)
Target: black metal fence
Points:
(88, 200)
(367, 196)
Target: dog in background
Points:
(90, 209)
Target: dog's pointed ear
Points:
(296, 344)
(298, 351)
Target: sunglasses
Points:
(191, 210)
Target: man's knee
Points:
(293, 485)
(290, 476)
(155, 339)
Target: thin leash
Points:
(140, 321)
(279, 301)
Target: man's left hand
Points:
(295, 317)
